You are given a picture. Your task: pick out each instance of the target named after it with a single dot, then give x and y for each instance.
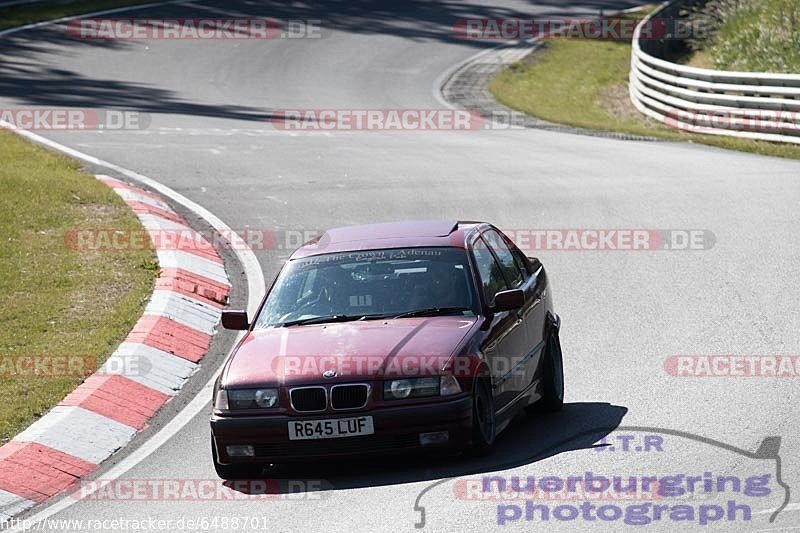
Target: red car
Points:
(388, 338)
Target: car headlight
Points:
(246, 399)
(400, 389)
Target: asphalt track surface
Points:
(209, 138)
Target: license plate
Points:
(330, 429)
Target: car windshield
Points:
(371, 284)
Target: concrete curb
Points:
(465, 87)
(147, 369)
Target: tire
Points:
(553, 374)
(484, 424)
(235, 471)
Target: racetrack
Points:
(209, 138)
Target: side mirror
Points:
(235, 320)
(508, 300)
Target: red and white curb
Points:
(149, 367)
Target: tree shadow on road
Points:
(32, 71)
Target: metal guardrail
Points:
(763, 106)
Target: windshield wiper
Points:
(432, 311)
(322, 320)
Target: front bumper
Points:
(397, 430)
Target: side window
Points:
(519, 259)
(490, 271)
(509, 266)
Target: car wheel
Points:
(553, 375)
(233, 472)
(483, 419)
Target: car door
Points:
(533, 312)
(504, 346)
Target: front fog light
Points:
(435, 437)
(240, 450)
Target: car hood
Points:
(355, 350)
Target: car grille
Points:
(356, 445)
(308, 399)
(349, 396)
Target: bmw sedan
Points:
(408, 337)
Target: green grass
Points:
(26, 14)
(584, 83)
(759, 36)
(57, 300)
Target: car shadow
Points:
(526, 440)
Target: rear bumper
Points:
(397, 431)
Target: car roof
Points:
(406, 234)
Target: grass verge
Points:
(58, 301)
(22, 14)
(584, 83)
(756, 36)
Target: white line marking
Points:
(255, 287)
(184, 310)
(79, 432)
(149, 366)
(96, 13)
(11, 504)
(158, 223)
(140, 454)
(193, 263)
(133, 196)
(790, 507)
(190, 312)
(252, 269)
